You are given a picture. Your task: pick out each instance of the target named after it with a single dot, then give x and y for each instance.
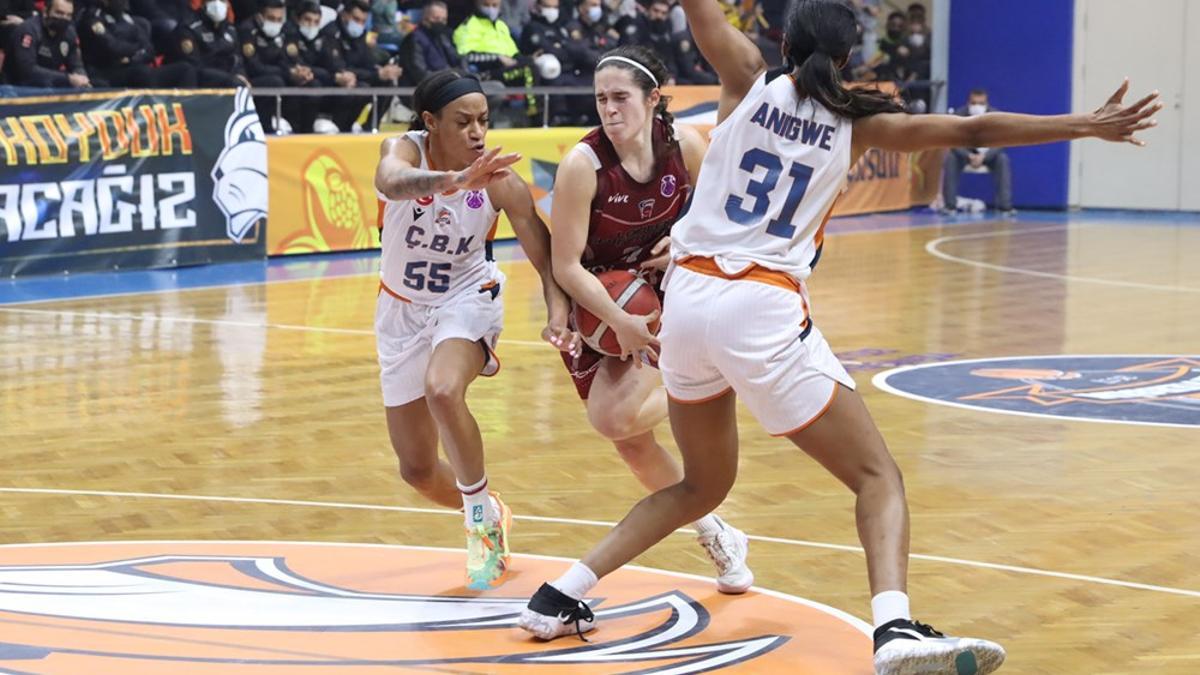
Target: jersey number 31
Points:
(760, 191)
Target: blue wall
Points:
(1020, 51)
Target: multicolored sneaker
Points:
(728, 550)
(905, 647)
(487, 550)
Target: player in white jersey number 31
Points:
(736, 314)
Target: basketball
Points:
(632, 294)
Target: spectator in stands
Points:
(429, 48)
(45, 50)
(891, 59)
(12, 14)
(354, 63)
(916, 14)
(676, 50)
(557, 62)
(271, 59)
(486, 44)
(591, 33)
(383, 22)
(210, 44)
(516, 14)
(119, 52)
(312, 54)
(995, 160)
(164, 16)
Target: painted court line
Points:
(110, 316)
(932, 249)
(1015, 569)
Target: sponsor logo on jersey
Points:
(646, 207)
(667, 185)
(475, 199)
(1157, 390)
(618, 199)
(272, 607)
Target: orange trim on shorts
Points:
(492, 353)
(753, 272)
(384, 289)
(489, 286)
(700, 400)
(820, 413)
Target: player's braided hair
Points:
(820, 34)
(649, 59)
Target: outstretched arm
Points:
(575, 187)
(398, 179)
(737, 60)
(511, 195)
(1113, 121)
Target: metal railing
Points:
(490, 88)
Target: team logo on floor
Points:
(1159, 390)
(211, 607)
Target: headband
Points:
(631, 62)
(454, 89)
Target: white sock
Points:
(889, 606)
(576, 583)
(478, 507)
(709, 525)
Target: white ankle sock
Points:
(709, 525)
(889, 606)
(578, 580)
(478, 507)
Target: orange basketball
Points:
(632, 294)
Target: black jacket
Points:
(38, 59)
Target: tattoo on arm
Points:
(410, 183)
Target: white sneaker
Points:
(904, 647)
(728, 549)
(551, 613)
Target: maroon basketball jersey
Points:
(628, 218)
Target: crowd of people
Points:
(359, 44)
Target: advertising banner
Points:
(134, 179)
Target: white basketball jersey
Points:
(438, 246)
(768, 182)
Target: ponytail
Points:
(819, 34)
(818, 79)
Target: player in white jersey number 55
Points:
(736, 320)
(440, 308)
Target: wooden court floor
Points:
(1075, 544)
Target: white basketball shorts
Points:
(751, 334)
(407, 333)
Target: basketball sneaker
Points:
(904, 647)
(552, 613)
(728, 549)
(487, 550)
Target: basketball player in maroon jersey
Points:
(616, 195)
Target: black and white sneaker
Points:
(552, 613)
(904, 647)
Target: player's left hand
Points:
(662, 256)
(1118, 123)
(563, 338)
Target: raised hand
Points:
(1116, 122)
(489, 168)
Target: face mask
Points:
(895, 33)
(593, 14)
(216, 10)
(118, 7)
(976, 109)
(57, 25)
(272, 28)
(436, 28)
(310, 32)
(355, 29)
(917, 40)
(491, 13)
(550, 14)
(658, 25)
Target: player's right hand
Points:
(489, 168)
(636, 340)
